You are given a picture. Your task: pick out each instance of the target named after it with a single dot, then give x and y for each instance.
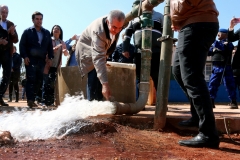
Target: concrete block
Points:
(121, 77)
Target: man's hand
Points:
(74, 37)
(49, 61)
(26, 61)
(3, 41)
(232, 23)
(126, 54)
(11, 30)
(175, 28)
(106, 91)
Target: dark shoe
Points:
(200, 141)
(9, 100)
(213, 104)
(31, 104)
(2, 103)
(189, 123)
(16, 101)
(233, 104)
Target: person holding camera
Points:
(71, 60)
(221, 52)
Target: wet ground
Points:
(114, 141)
(110, 139)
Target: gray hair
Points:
(2, 6)
(116, 14)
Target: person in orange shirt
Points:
(197, 24)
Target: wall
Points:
(176, 94)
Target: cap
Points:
(223, 30)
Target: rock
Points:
(5, 138)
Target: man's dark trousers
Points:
(14, 79)
(6, 63)
(34, 72)
(94, 87)
(194, 41)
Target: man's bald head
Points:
(4, 12)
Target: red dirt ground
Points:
(117, 142)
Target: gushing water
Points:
(25, 125)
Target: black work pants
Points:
(194, 41)
(6, 64)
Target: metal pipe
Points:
(164, 71)
(146, 54)
(133, 108)
(147, 5)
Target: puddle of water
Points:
(25, 125)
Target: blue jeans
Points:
(72, 60)
(218, 73)
(34, 73)
(49, 81)
(94, 87)
(6, 63)
(194, 41)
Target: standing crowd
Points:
(198, 27)
(41, 51)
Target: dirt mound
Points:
(114, 141)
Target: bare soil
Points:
(118, 142)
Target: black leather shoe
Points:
(189, 123)
(2, 103)
(31, 104)
(233, 104)
(200, 141)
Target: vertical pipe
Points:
(164, 71)
(146, 54)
